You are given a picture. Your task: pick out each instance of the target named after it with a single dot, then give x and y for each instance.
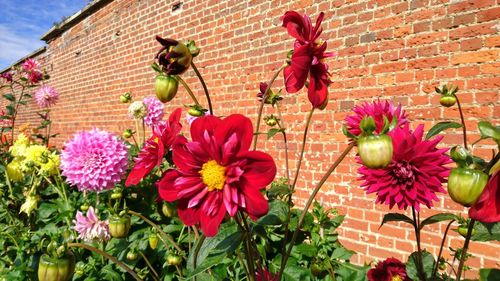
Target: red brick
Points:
(388, 67)
(471, 44)
(475, 57)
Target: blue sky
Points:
(22, 23)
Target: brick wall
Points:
(388, 49)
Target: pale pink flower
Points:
(90, 228)
(46, 96)
(155, 111)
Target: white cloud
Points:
(14, 46)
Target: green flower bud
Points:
(375, 151)
(166, 87)
(466, 185)
(119, 226)
(56, 269)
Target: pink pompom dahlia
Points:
(217, 174)
(94, 160)
(46, 96)
(377, 110)
(414, 176)
(90, 228)
(155, 111)
(155, 148)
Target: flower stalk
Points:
(202, 81)
(463, 121)
(463, 255)
(188, 89)
(419, 261)
(309, 202)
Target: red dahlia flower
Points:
(487, 207)
(415, 174)
(307, 59)
(155, 148)
(377, 110)
(389, 270)
(216, 173)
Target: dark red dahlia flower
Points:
(414, 176)
(487, 207)
(389, 270)
(217, 174)
(377, 110)
(307, 59)
(155, 148)
(174, 56)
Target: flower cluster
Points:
(32, 72)
(94, 160)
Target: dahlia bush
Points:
(194, 199)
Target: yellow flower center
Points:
(213, 175)
(396, 278)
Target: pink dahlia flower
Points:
(217, 174)
(30, 65)
(94, 160)
(155, 148)
(378, 109)
(90, 228)
(414, 176)
(46, 96)
(155, 111)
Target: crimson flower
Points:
(415, 174)
(389, 270)
(307, 59)
(377, 110)
(216, 173)
(487, 207)
(265, 275)
(155, 148)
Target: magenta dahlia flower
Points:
(414, 176)
(155, 148)
(155, 111)
(217, 174)
(46, 96)
(8, 76)
(94, 160)
(389, 270)
(30, 65)
(90, 228)
(378, 109)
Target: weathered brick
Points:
(474, 57)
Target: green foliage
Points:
(441, 126)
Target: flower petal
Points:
(487, 208)
(166, 185)
(259, 170)
(238, 125)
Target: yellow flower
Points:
(14, 171)
(30, 204)
(35, 155)
(19, 147)
(52, 166)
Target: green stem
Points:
(14, 115)
(47, 130)
(187, 89)
(7, 179)
(463, 256)
(204, 87)
(155, 274)
(264, 97)
(434, 272)
(308, 204)
(420, 263)
(240, 219)
(166, 236)
(297, 170)
(281, 125)
(108, 256)
(463, 121)
(197, 250)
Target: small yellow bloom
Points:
(30, 204)
(52, 166)
(14, 171)
(35, 155)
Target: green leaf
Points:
(441, 126)
(348, 134)
(342, 253)
(486, 232)
(411, 265)
(351, 272)
(396, 217)
(10, 109)
(278, 213)
(305, 249)
(273, 132)
(9, 97)
(438, 218)
(107, 273)
(214, 249)
(489, 274)
(488, 131)
(294, 273)
(156, 67)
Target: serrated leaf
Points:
(486, 232)
(489, 274)
(428, 264)
(272, 132)
(278, 213)
(395, 217)
(487, 130)
(438, 218)
(9, 97)
(441, 126)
